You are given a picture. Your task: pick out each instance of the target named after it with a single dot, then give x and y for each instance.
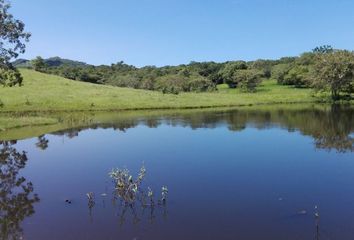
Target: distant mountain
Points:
(21, 63)
(51, 62)
(57, 61)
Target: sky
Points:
(171, 32)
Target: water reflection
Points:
(138, 214)
(331, 127)
(42, 142)
(16, 193)
(216, 192)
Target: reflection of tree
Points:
(337, 131)
(42, 142)
(139, 211)
(330, 127)
(16, 198)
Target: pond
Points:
(281, 172)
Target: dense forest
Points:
(324, 68)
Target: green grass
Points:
(15, 122)
(43, 92)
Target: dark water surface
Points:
(232, 174)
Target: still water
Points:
(231, 174)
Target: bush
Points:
(38, 64)
(279, 72)
(200, 84)
(228, 73)
(148, 83)
(10, 76)
(249, 80)
(264, 66)
(297, 76)
(130, 81)
(172, 84)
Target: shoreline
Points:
(19, 125)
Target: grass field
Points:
(43, 92)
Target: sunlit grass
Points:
(15, 122)
(43, 92)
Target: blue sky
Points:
(170, 32)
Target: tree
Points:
(334, 71)
(16, 193)
(228, 73)
(173, 83)
(248, 79)
(263, 65)
(297, 76)
(12, 41)
(323, 49)
(38, 64)
(200, 84)
(10, 76)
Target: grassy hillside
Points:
(43, 92)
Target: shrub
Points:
(130, 81)
(229, 71)
(279, 72)
(10, 76)
(249, 80)
(200, 84)
(38, 64)
(297, 76)
(172, 84)
(148, 83)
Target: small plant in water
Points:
(317, 221)
(91, 199)
(164, 193)
(130, 191)
(126, 187)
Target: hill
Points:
(21, 63)
(50, 62)
(43, 92)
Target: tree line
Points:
(323, 68)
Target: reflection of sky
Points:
(216, 177)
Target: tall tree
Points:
(38, 64)
(334, 71)
(12, 41)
